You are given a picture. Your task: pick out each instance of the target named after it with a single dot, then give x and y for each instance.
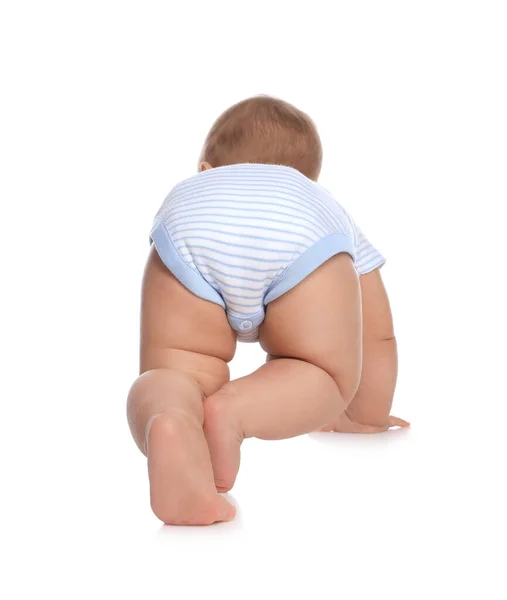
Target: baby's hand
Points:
(345, 425)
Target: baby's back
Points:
(244, 234)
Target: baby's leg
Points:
(313, 334)
(185, 343)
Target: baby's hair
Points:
(264, 130)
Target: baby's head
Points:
(264, 130)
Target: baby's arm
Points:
(373, 400)
(369, 411)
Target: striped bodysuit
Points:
(242, 235)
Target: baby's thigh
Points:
(181, 331)
(319, 321)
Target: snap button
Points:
(246, 325)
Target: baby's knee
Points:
(159, 391)
(218, 405)
(155, 385)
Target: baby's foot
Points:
(224, 439)
(182, 489)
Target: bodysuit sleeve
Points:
(368, 258)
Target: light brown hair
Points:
(265, 130)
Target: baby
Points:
(253, 248)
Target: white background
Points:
(104, 107)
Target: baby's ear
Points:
(204, 166)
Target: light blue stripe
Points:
(237, 226)
(308, 191)
(221, 283)
(240, 179)
(294, 178)
(210, 177)
(257, 294)
(230, 265)
(279, 193)
(257, 297)
(239, 235)
(336, 210)
(371, 255)
(213, 269)
(250, 211)
(295, 246)
(365, 252)
(265, 180)
(314, 215)
(238, 256)
(330, 214)
(252, 217)
(220, 196)
(371, 265)
(243, 305)
(371, 259)
(253, 186)
(175, 220)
